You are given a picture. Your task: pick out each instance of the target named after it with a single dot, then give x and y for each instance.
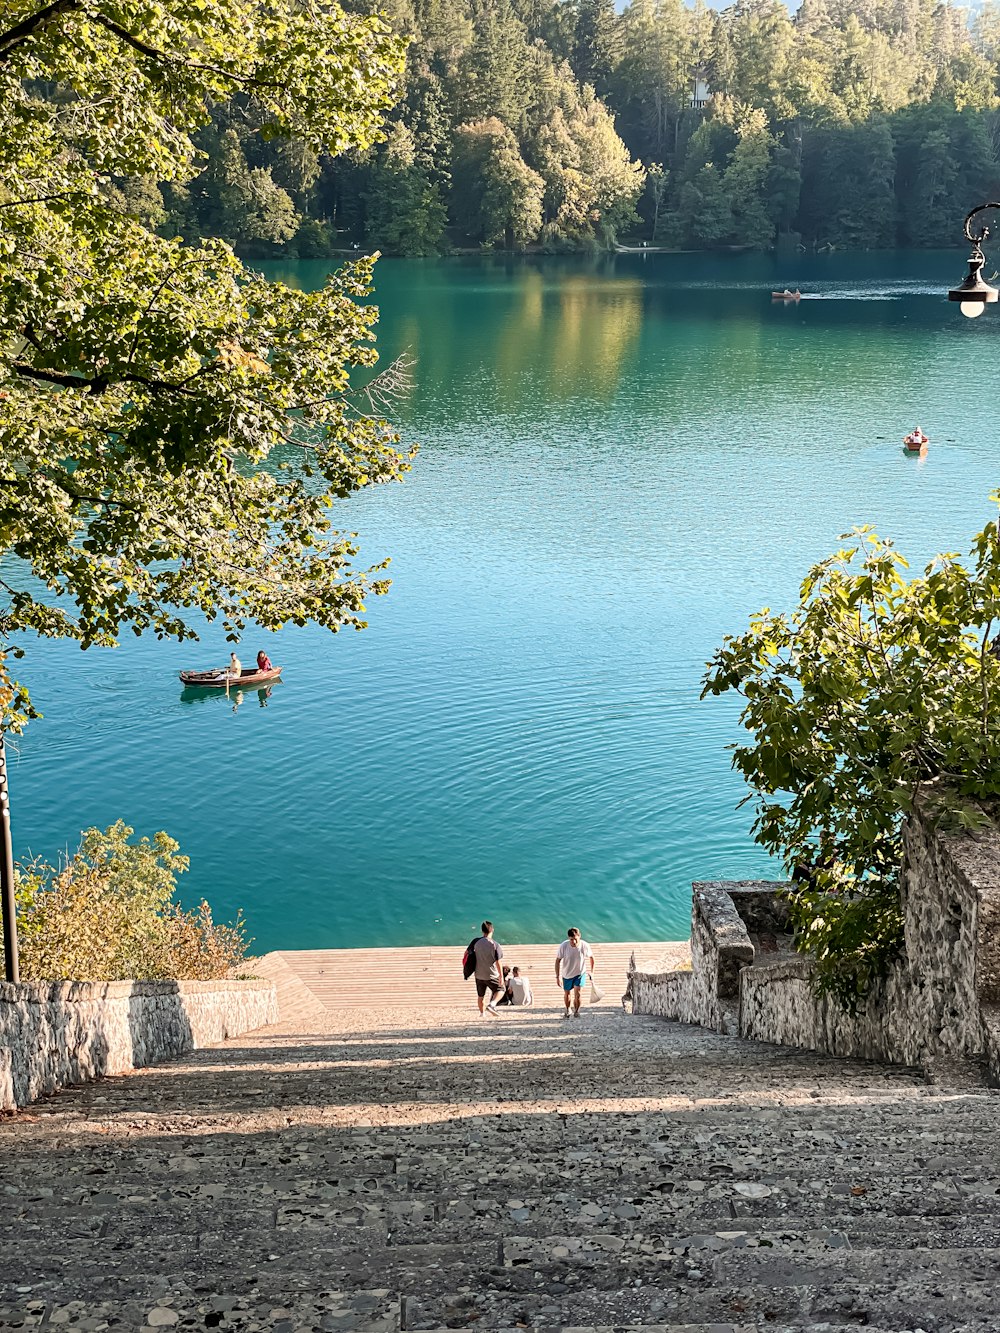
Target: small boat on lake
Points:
(787, 295)
(219, 680)
(914, 443)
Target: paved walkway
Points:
(382, 1169)
(431, 977)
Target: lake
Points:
(622, 457)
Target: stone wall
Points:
(53, 1034)
(940, 1000)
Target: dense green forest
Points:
(560, 124)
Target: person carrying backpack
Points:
(482, 959)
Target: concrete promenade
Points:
(425, 977)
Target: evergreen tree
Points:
(745, 180)
(596, 44)
(496, 66)
(405, 212)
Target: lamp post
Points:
(975, 293)
(9, 916)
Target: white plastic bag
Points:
(596, 994)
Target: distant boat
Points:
(215, 680)
(787, 295)
(913, 444)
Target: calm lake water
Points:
(621, 458)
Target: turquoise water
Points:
(621, 458)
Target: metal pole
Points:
(10, 955)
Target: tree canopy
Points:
(174, 429)
(848, 123)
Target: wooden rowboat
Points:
(213, 680)
(915, 446)
(786, 295)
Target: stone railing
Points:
(721, 948)
(54, 1034)
(939, 1000)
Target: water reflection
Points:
(514, 322)
(567, 334)
(194, 694)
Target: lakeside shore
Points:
(311, 982)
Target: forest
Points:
(559, 125)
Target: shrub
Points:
(108, 914)
(872, 687)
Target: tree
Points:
(745, 179)
(872, 687)
(596, 43)
(655, 75)
(497, 65)
(760, 36)
(245, 207)
(656, 186)
(704, 211)
(406, 214)
(497, 196)
(848, 185)
(173, 428)
(109, 914)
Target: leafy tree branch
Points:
(150, 389)
(874, 686)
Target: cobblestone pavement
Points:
(397, 1169)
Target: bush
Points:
(874, 686)
(313, 240)
(108, 915)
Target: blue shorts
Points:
(573, 983)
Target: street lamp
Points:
(975, 293)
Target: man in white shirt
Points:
(574, 960)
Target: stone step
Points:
(279, 1307)
(658, 1145)
(538, 1301)
(876, 1218)
(835, 1110)
(621, 1279)
(324, 1312)
(887, 1217)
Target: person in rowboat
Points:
(264, 662)
(231, 672)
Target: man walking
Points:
(488, 975)
(574, 960)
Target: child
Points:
(519, 988)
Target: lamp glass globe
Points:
(972, 309)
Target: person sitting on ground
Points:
(519, 988)
(264, 662)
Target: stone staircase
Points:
(411, 1169)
